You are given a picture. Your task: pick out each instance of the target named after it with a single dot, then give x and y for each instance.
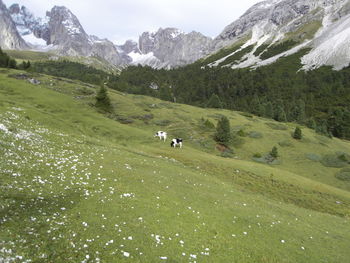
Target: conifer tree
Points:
(102, 100)
(322, 128)
(223, 131)
(12, 63)
(274, 152)
(255, 105)
(269, 110)
(311, 123)
(214, 102)
(301, 111)
(297, 134)
(280, 115)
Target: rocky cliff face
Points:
(171, 47)
(67, 33)
(9, 36)
(267, 31)
(304, 23)
(62, 30)
(28, 24)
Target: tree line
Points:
(319, 98)
(7, 62)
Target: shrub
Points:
(122, 119)
(209, 124)
(297, 134)
(241, 133)
(343, 174)
(206, 124)
(227, 153)
(344, 157)
(257, 155)
(162, 122)
(333, 160)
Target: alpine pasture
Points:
(78, 185)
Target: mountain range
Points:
(264, 33)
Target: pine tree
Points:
(12, 63)
(322, 128)
(311, 123)
(269, 110)
(297, 134)
(255, 105)
(280, 114)
(301, 111)
(223, 131)
(214, 102)
(102, 100)
(274, 152)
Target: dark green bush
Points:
(333, 160)
(257, 155)
(343, 174)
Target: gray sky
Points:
(119, 20)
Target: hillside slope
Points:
(278, 28)
(78, 186)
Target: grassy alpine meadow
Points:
(78, 185)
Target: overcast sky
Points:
(119, 20)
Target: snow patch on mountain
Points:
(259, 37)
(176, 33)
(283, 54)
(331, 47)
(33, 40)
(148, 59)
(139, 58)
(71, 25)
(267, 4)
(31, 28)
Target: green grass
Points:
(77, 186)
(35, 56)
(260, 49)
(235, 58)
(224, 52)
(29, 55)
(302, 33)
(278, 48)
(306, 31)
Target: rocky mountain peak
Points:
(9, 36)
(64, 26)
(14, 9)
(130, 46)
(275, 28)
(172, 47)
(27, 24)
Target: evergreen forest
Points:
(282, 91)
